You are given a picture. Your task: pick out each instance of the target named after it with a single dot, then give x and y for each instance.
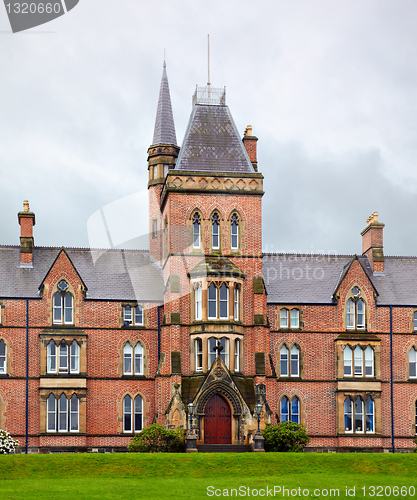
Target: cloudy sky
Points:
(329, 87)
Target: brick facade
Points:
(95, 345)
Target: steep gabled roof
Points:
(164, 132)
(212, 142)
(128, 275)
(313, 279)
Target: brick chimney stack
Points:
(26, 221)
(373, 242)
(249, 141)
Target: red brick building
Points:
(95, 344)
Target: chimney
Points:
(373, 242)
(249, 141)
(26, 221)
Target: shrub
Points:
(7, 443)
(157, 439)
(286, 436)
(415, 442)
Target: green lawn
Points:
(189, 476)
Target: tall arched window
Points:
(283, 318)
(348, 415)
(198, 295)
(212, 301)
(138, 359)
(290, 410)
(284, 371)
(127, 414)
(63, 413)
(224, 302)
(295, 361)
(237, 355)
(412, 363)
(198, 348)
(51, 413)
(196, 230)
(215, 231)
(63, 357)
(224, 353)
(236, 304)
(138, 414)
(212, 353)
(63, 305)
(369, 408)
(358, 414)
(369, 362)
(74, 357)
(3, 357)
(127, 359)
(74, 413)
(285, 411)
(355, 311)
(234, 232)
(295, 410)
(358, 361)
(295, 318)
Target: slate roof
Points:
(108, 274)
(212, 142)
(312, 279)
(164, 132)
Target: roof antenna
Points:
(208, 66)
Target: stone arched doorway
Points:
(217, 421)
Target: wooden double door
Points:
(217, 421)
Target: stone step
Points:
(223, 448)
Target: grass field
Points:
(188, 476)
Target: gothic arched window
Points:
(234, 232)
(63, 305)
(215, 231)
(196, 230)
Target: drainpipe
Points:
(392, 381)
(27, 377)
(159, 333)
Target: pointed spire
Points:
(164, 132)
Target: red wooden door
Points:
(217, 421)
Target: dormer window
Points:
(63, 305)
(289, 318)
(133, 316)
(215, 231)
(355, 311)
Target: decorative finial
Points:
(26, 206)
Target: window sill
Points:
(289, 329)
(134, 377)
(289, 379)
(66, 433)
(63, 375)
(4, 375)
(133, 327)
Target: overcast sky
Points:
(329, 87)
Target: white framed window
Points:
(347, 361)
(295, 318)
(51, 413)
(63, 305)
(284, 371)
(127, 414)
(133, 315)
(236, 304)
(198, 296)
(212, 301)
(224, 353)
(358, 361)
(74, 357)
(415, 320)
(359, 415)
(215, 231)
(138, 417)
(290, 410)
(138, 315)
(74, 414)
(196, 230)
(295, 362)
(348, 415)
(283, 318)
(412, 363)
(234, 232)
(224, 302)
(212, 353)
(237, 355)
(154, 228)
(369, 362)
(63, 414)
(355, 311)
(127, 359)
(198, 349)
(138, 359)
(3, 358)
(63, 357)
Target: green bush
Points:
(157, 439)
(415, 442)
(286, 436)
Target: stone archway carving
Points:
(225, 390)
